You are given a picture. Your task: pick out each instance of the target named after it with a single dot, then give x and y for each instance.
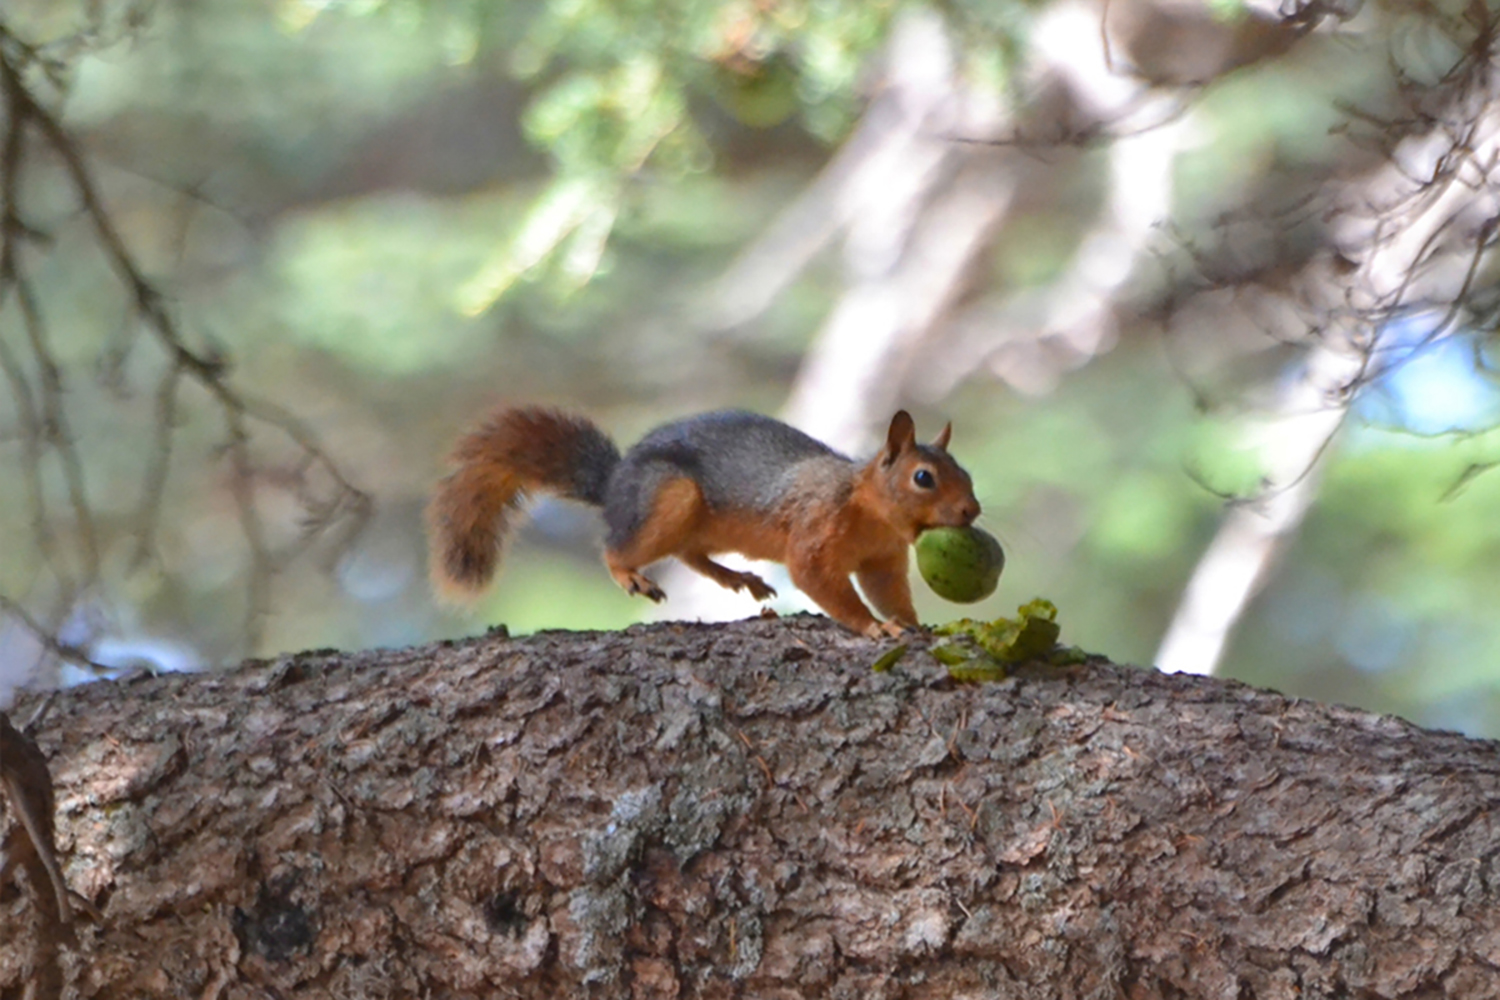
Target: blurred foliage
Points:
(389, 215)
(633, 92)
(351, 278)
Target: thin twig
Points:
(49, 640)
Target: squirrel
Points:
(726, 481)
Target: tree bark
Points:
(749, 810)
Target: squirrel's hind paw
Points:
(759, 589)
(638, 584)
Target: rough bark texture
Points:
(749, 810)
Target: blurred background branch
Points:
(1206, 287)
(1405, 244)
(71, 577)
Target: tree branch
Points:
(749, 810)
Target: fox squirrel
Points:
(727, 481)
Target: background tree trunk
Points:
(748, 810)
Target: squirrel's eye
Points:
(923, 478)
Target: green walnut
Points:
(960, 564)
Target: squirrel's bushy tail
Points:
(513, 453)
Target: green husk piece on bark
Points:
(888, 659)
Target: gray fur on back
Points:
(593, 465)
(739, 460)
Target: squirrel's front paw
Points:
(885, 630)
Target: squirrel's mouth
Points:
(954, 519)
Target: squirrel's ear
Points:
(941, 441)
(901, 436)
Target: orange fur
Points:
(675, 511)
(733, 531)
(467, 521)
(885, 584)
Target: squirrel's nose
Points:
(969, 512)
